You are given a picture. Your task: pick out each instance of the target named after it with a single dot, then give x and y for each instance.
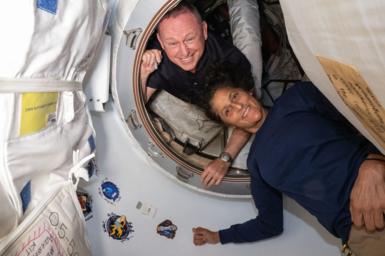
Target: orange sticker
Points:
(355, 92)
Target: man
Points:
(303, 148)
(186, 51)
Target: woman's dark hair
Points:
(221, 76)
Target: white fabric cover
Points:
(47, 40)
(57, 228)
(188, 122)
(49, 45)
(351, 33)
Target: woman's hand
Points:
(204, 236)
(367, 198)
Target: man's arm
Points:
(150, 62)
(217, 169)
(367, 198)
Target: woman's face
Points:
(238, 108)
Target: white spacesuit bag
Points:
(46, 132)
(246, 34)
(340, 45)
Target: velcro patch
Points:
(25, 195)
(47, 5)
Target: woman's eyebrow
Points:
(230, 96)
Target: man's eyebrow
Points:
(191, 34)
(170, 39)
(188, 35)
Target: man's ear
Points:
(159, 39)
(204, 29)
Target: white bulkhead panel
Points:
(129, 155)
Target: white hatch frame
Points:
(128, 98)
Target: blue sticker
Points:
(47, 5)
(109, 191)
(91, 142)
(25, 195)
(167, 229)
(117, 227)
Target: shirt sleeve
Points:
(269, 221)
(156, 81)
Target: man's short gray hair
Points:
(183, 6)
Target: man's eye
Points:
(189, 40)
(234, 96)
(172, 44)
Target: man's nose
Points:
(184, 49)
(237, 105)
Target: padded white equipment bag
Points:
(340, 45)
(246, 34)
(46, 135)
(188, 122)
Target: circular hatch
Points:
(166, 150)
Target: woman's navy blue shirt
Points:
(308, 151)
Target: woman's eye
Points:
(227, 112)
(234, 96)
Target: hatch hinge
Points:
(152, 151)
(183, 175)
(132, 36)
(133, 121)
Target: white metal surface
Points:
(125, 89)
(121, 160)
(97, 88)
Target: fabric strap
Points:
(9, 85)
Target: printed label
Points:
(41, 240)
(146, 209)
(51, 232)
(355, 92)
(38, 111)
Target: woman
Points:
(303, 148)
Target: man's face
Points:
(183, 39)
(238, 108)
